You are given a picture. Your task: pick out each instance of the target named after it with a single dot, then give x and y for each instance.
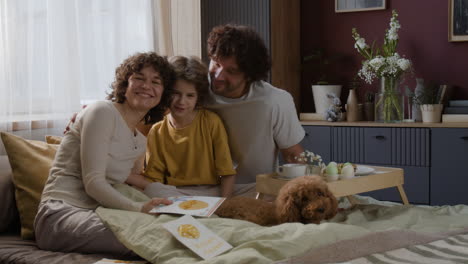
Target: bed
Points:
(371, 232)
(356, 234)
(14, 249)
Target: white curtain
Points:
(56, 55)
(59, 54)
(179, 27)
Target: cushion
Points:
(9, 218)
(30, 162)
(53, 139)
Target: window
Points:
(56, 55)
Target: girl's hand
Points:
(154, 202)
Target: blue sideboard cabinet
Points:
(318, 140)
(449, 170)
(426, 154)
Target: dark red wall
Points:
(423, 40)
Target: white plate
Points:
(363, 170)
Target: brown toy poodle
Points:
(304, 199)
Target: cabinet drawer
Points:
(449, 147)
(318, 140)
(348, 144)
(410, 147)
(449, 186)
(378, 145)
(382, 146)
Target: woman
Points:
(188, 151)
(102, 148)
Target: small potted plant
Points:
(429, 100)
(322, 86)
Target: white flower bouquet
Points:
(384, 63)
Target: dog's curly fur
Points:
(305, 199)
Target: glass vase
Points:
(389, 102)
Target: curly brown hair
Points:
(245, 45)
(192, 70)
(136, 63)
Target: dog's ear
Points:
(287, 209)
(333, 209)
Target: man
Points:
(260, 119)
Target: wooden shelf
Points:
(376, 124)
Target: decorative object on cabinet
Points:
(449, 118)
(458, 103)
(430, 93)
(333, 112)
(415, 109)
(389, 101)
(388, 66)
(356, 85)
(458, 20)
(460, 110)
(357, 5)
(352, 111)
(321, 99)
(431, 113)
(369, 107)
(360, 112)
(323, 84)
(429, 97)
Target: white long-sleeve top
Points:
(99, 151)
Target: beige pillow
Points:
(30, 162)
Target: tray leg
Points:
(259, 196)
(404, 199)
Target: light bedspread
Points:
(251, 243)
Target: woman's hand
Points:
(154, 202)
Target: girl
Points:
(187, 152)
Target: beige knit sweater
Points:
(99, 151)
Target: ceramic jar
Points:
(416, 109)
(352, 109)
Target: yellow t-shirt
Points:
(196, 154)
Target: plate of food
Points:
(363, 170)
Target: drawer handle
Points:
(380, 137)
(464, 138)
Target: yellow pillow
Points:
(30, 162)
(53, 139)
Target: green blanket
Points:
(145, 235)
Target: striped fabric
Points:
(450, 250)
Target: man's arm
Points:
(289, 154)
